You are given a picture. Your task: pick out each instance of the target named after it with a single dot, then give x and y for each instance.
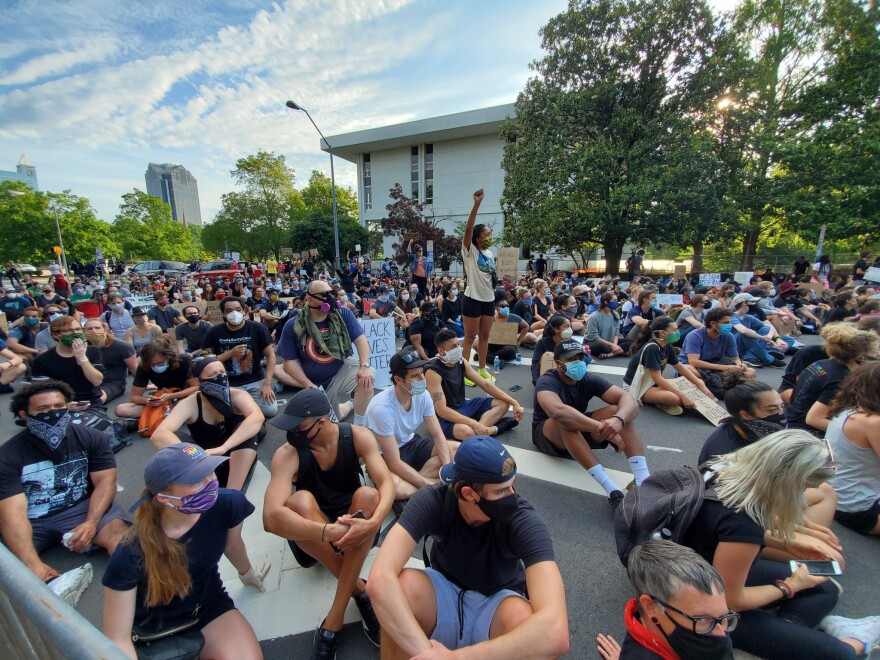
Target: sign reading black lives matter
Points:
(380, 337)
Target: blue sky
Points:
(94, 90)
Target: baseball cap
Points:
(183, 463)
(310, 402)
(785, 287)
(382, 289)
(404, 360)
(568, 348)
(740, 298)
(137, 311)
(478, 460)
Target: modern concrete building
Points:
(24, 173)
(175, 186)
(440, 161)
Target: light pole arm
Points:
(332, 187)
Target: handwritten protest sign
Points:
(743, 277)
(145, 302)
(678, 271)
(212, 309)
(286, 252)
(380, 337)
(200, 304)
(710, 279)
(707, 407)
(872, 274)
(670, 299)
(508, 262)
(504, 333)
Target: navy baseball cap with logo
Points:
(568, 348)
(310, 402)
(183, 463)
(478, 460)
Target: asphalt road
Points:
(580, 522)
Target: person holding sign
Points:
(507, 352)
(478, 308)
(653, 350)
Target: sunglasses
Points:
(412, 356)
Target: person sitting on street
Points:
(117, 357)
(566, 305)
(74, 362)
(57, 485)
(507, 352)
(459, 416)
(421, 332)
(556, 329)
(711, 350)
(331, 518)
(679, 611)
(562, 427)
(22, 339)
(602, 334)
(118, 318)
(756, 341)
(490, 548)
(394, 415)
(190, 336)
(223, 421)
(168, 370)
(641, 314)
(383, 307)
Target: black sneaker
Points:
(615, 499)
(505, 424)
(754, 364)
(129, 425)
(6, 389)
(325, 644)
(777, 364)
(368, 618)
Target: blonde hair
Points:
(845, 342)
(767, 478)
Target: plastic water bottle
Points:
(518, 358)
(167, 410)
(496, 366)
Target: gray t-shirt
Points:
(601, 325)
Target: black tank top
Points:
(451, 382)
(452, 309)
(209, 436)
(542, 308)
(333, 488)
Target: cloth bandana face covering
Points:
(216, 389)
(50, 427)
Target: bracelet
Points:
(786, 587)
(622, 420)
(782, 589)
(323, 530)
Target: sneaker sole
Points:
(72, 597)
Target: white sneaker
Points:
(72, 584)
(670, 410)
(866, 630)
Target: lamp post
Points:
(61, 243)
(294, 106)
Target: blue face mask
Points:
(504, 311)
(576, 370)
(655, 305)
(418, 387)
(725, 328)
(613, 305)
(160, 368)
(527, 301)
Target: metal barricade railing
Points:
(37, 624)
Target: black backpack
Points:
(663, 507)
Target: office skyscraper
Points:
(24, 173)
(175, 186)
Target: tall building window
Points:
(368, 184)
(429, 174)
(414, 171)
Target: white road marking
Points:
(658, 448)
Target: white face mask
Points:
(453, 356)
(567, 333)
(234, 318)
(405, 296)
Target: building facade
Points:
(440, 161)
(24, 173)
(175, 186)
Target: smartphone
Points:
(515, 388)
(816, 567)
(359, 514)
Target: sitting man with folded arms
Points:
(460, 417)
(490, 548)
(394, 415)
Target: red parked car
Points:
(212, 270)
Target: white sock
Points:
(496, 430)
(358, 420)
(640, 468)
(598, 473)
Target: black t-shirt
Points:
(168, 378)
(655, 358)
(194, 337)
(523, 311)
(428, 331)
(451, 309)
(53, 480)
(255, 336)
(481, 557)
(839, 314)
(67, 370)
(451, 381)
(801, 360)
(800, 268)
(577, 395)
(113, 357)
(819, 382)
(205, 543)
(723, 440)
(14, 307)
(862, 265)
(716, 523)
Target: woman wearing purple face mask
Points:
(166, 566)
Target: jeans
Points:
(754, 349)
(787, 629)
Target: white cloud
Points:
(88, 52)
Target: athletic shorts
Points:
(215, 607)
(474, 309)
(47, 532)
(463, 618)
(547, 447)
(417, 451)
(113, 389)
(343, 384)
(862, 522)
(473, 408)
(302, 557)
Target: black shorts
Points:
(417, 452)
(113, 389)
(302, 557)
(474, 309)
(547, 447)
(215, 607)
(862, 522)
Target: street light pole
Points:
(295, 106)
(61, 243)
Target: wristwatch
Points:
(364, 364)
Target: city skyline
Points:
(177, 187)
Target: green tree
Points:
(81, 230)
(588, 146)
(143, 229)
(406, 216)
(316, 231)
(318, 196)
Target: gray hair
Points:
(664, 569)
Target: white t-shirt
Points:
(385, 416)
(478, 267)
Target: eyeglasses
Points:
(412, 356)
(704, 625)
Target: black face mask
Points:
(500, 510)
(216, 390)
(49, 426)
(688, 645)
(758, 427)
(193, 318)
(301, 439)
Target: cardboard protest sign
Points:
(504, 333)
(706, 406)
(212, 308)
(313, 252)
(743, 277)
(872, 274)
(546, 362)
(507, 262)
(670, 299)
(4, 326)
(201, 304)
(710, 279)
(380, 337)
(286, 252)
(678, 271)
